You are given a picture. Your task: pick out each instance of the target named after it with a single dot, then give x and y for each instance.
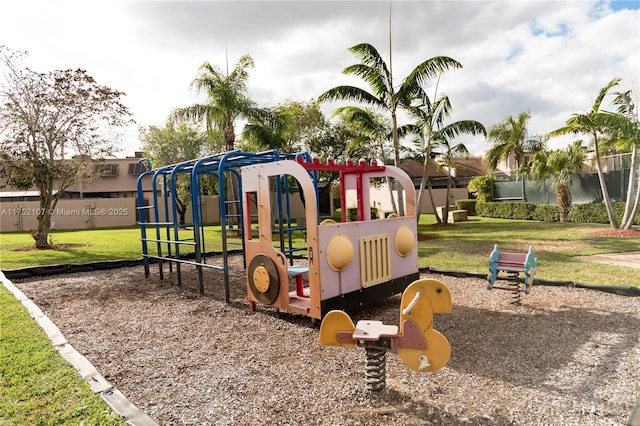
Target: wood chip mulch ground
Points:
(563, 357)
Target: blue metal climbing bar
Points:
(163, 237)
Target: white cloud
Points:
(549, 58)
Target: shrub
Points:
(588, 213)
(596, 213)
(352, 214)
(520, 211)
(546, 213)
(375, 213)
(482, 188)
(468, 205)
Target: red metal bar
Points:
(360, 201)
(349, 167)
(343, 200)
(299, 285)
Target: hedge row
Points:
(579, 213)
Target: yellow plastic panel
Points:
(340, 252)
(333, 322)
(419, 302)
(375, 259)
(405, 241)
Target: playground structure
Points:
(419, 345)
(514, 264)
(348, 264)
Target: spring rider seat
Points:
(419, 346)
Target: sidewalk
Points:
(631, 259)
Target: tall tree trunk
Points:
(233, 185)
(631, 205)
(182, 210)
(423, 181)
(603, 187)
(563, 202)
(445, 214)
(47, 205)
(396, 159)
(229, 135)
(41, 235)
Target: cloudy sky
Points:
(547, 57)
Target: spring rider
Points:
(419, 346)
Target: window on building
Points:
(107, 170)
(133, 169)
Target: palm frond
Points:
(350, 93)
(428, 70)
(469, 127)
(603, 92)
(409, 129)
(378, 84)
(194, 113)
(369, 56)
(239, 75)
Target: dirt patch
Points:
(631, 233)
(425, 237)
(442, 225)
(53, 247)
(565, 356)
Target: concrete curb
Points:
(98, 384)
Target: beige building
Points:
(112, 200)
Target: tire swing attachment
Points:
(263, 278)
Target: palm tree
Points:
(374, 132)
(227, 99)
(433, 140)
(561, 167)
(510, 138)
(629, 142)
(595, 123)
(374, 71)
(267, 132)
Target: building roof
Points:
(469, 167)
(12, 194)
(414, 169)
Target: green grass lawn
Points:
(39, 387)
(90, 245)
(465, 246)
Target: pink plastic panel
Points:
(334, 283)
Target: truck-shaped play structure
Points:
(347, 264)
(343, 264)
